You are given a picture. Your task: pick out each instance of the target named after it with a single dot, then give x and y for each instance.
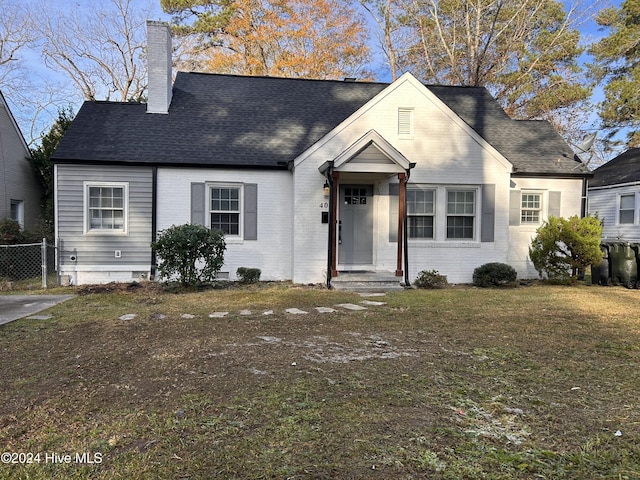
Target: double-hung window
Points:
(420, 213)
(531, 206)
(627, 210)
(461, 212)
(225, 208)
(106, 207)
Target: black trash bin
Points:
(623, 266)
(600, 273)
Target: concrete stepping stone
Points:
(351, 306)
(296, 311)
(325, 309)
(245, 312)
(372, 303)
(187, 316)
(40, 317)
(128, 316)
(372, 294)
(218, 314)
(268, 312)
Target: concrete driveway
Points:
(13, 307)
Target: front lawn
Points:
(532, 382)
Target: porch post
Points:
(401, 202)
(334, 222)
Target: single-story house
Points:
(614, 195)
(20, 191)
(309, 179)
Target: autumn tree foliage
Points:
(323, 39)
(617, 65)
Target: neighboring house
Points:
(614, 195)
(308, 178)
(20, 191)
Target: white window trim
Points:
(635, 208)
(541, 215)
(440, 216)
(433, 189)
(209, 185)
(19, 204)
(476, 201)
(87, 222)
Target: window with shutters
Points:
(461, 214)
(420, 212)
(106, 207)
(225, 209)
(405, 121)
(531, 206)
(627, 209)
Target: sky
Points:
(37, 71)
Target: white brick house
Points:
(308, 178)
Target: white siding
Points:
(446, 152)
(604, 201)
(520, 236)
(271, 252)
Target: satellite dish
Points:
(587, 143)
(585, 147)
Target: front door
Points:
(355, 227)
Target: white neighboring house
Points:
(309, 179)
(20, 191)
(614, 196)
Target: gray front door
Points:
(355, 228)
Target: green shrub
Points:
(430, 279)
(494, 274)
(10, 232)
(562, 246)
(248, 275)
(192, 253)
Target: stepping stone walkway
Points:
(293, 311)
(296, 311)
(351, 306)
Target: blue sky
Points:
(37, 69)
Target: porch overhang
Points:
(369, 156)
(389, 161)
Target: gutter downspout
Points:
(405, 235)
(330, 246)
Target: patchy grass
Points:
(533, 382)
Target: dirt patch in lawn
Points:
(458, 383)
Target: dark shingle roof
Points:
(227, 120)
(625, 168)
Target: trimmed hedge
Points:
(494, 274)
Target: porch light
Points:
(325, 188)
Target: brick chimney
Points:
(159, 66)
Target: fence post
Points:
(44, 263)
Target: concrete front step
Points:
(367, 281)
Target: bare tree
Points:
(100, 47)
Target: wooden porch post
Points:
(334, 222)
(401, 194)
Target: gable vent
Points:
(405, 121)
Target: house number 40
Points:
(324, 205)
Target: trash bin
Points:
(600, 273)
(623, 265)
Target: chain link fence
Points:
(28, 263)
